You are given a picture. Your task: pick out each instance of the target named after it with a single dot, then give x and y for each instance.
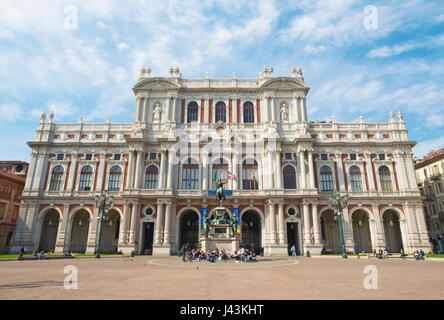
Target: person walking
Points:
(242, 254)
(22, 252)
(182, 251)
(293, 251)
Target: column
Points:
(101, 172)
(130, 179)
(159, 225)
(272, 223)
(63, 223)
(282, 235)
(168, 107)
(134, 219)
(137, 113)
(237, 182)
(371, 181)
(170, 169)
(311, 169)
(273, 112)
(137, 173)
(234, 110)
(307, 227)
(295, 110)
(167, 230)
(277, 171)
(162, 170)
(124, 227)
(207, 111)
(303, 109)
(302, 164)
(72, 172)
(204, 172)
(348, 230)
(31, 168)
(340, 172)
(315, 218)
(422, 226)
(144, 105)
(40, 171)
(270, 169)
(377, 237)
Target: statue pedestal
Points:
(220, 237)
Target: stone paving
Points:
(147, 277)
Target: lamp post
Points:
(103, 202)
(338, 203)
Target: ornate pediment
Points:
(157, 84)
(284, 83)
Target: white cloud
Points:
(122, 46)
(10, 112)
(440, 18)
(426, 146)
(390, 51)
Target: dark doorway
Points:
(251, 231)
(189, 230)
(293, 237)
(148, 235)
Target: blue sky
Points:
(352, 69)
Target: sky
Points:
(81, 58)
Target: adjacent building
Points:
(281, 168)
(430, 176)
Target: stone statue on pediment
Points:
(284, 112)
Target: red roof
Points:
(12, 176)
(431, 155)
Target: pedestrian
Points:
(182, 251)
(242, 254)
(293, 251)
(262, 251)
(22, 252)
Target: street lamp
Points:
(103, 202)
(338, 203)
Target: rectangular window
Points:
(60, 156)
(352, 156)
(88, 156)
(288, 156)
(324, 156)
(117, 156)
(439, 187)
(381, 156)
(153, 156)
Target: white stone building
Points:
(430, 176)
(161, 170)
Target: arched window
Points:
(355, 178)
(190, 175)
(385, 179)
(114, 178)
(85, 178)
(56, 179)
(193, 112)
(249, 175)
(248, 112)
(221, 112)
(326, 179)
(289, 177)
(220, 170)
(151, 176)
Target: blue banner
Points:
(227, 192)
(202, 213)
(236, 211)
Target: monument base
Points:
(161, 250)
(228, 244)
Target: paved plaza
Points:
(146, 277)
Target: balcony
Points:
(436, 176)
(430, 197)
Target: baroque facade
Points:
(187, 133)
(430, 176)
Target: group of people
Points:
(419, 254)
(381, 254)
(243, 255)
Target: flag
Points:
(231, 176)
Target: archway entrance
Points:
(147, 237)
(48, 235)
(79, 231)
(251, 231)
(361, 232)
(189, 229)
(293, 237)
(330, 235)
(110, 232)
(392, 231)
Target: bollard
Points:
(307, 254)
(132, 254)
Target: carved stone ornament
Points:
(322, 136)
(119, 136)
(63, 136)
(157, 113)
(91, 136)
(284, 112)
(350, 136)
(378, 136)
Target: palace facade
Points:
(162, 168)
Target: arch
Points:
(115, 177)
(221, 112)
(251, 230)
(289, 175)
(45, 210)
(56, 178)
(80, 224)
(85, 180)
(330, 234)
(392, 230)
(188, 227)
(192, 112)
(361, 230)
(48, 229)
(74, 211)
(248, 112)
(110, 231)
(151, 177)
(326, 179)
